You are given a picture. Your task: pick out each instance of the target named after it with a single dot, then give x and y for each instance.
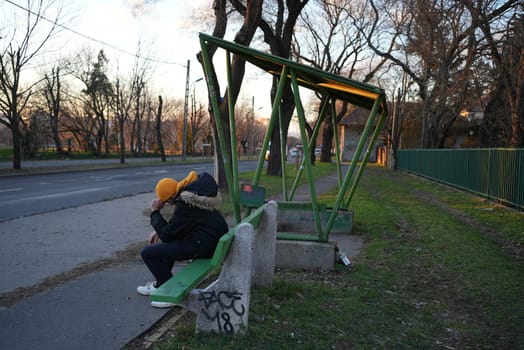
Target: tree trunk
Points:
(159, 130)
(106, 137)
(327, 140)
(243, 37)
(138, 125)
(121, 124)
(517, 107)
(274, 166)
(15, 129)
(55, 104)
(16, 147)
(146, 131)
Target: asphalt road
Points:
(35, 194)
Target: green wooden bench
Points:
(185, 280)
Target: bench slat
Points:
(178, 286)
(222, 248)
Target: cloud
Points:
(141, 7)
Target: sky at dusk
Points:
(166, 28)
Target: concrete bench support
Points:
(223, 306)
(265, 247)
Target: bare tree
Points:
(436, 46)
(52, 91)
(244, 119)
(252, 12)
(197, 122)
(123, 102)
(78, 121)
(148, 130)
(277, 20)
(330, 40)
(99, 92)
(278, 25)
(172, 120)
(505, 46)
(23, 43)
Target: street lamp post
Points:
(184, 137)
(186, 108)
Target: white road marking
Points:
(151, 172)
(12, 190)
(63, 194)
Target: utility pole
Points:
(184, 141)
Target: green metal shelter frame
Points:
(335, 88)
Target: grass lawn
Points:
(440, 269)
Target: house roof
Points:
(358, 116)
(355, 92)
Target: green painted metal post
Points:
(282, 153)
(363, 139)
(305, 145)
(234, 187)
(366, 158)
(351, 171)
(310, 144)
(213, 96)
(274, 115)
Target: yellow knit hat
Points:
(191, 177)
(166, 189)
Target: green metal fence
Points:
(497, 174)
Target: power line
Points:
(94, 39)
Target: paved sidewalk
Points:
(97, 310)
(64, 163)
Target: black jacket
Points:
(196, 217)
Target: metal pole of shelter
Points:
(371, 143)
(234, 186)
(310, 144)
(213, 96)
(274, 115)
(282, 153)
(305, 145)
(349, 174)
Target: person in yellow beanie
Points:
(192, 232)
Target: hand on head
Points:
(157, 204)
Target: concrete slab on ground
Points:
(316, 255)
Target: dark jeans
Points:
(161, 257)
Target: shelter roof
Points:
(355, 92)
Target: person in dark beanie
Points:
(192, 232)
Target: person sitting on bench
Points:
(192, 232)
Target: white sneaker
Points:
(147, 289)
(162, 304)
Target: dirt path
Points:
(427, 197)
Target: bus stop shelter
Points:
(334, 88)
